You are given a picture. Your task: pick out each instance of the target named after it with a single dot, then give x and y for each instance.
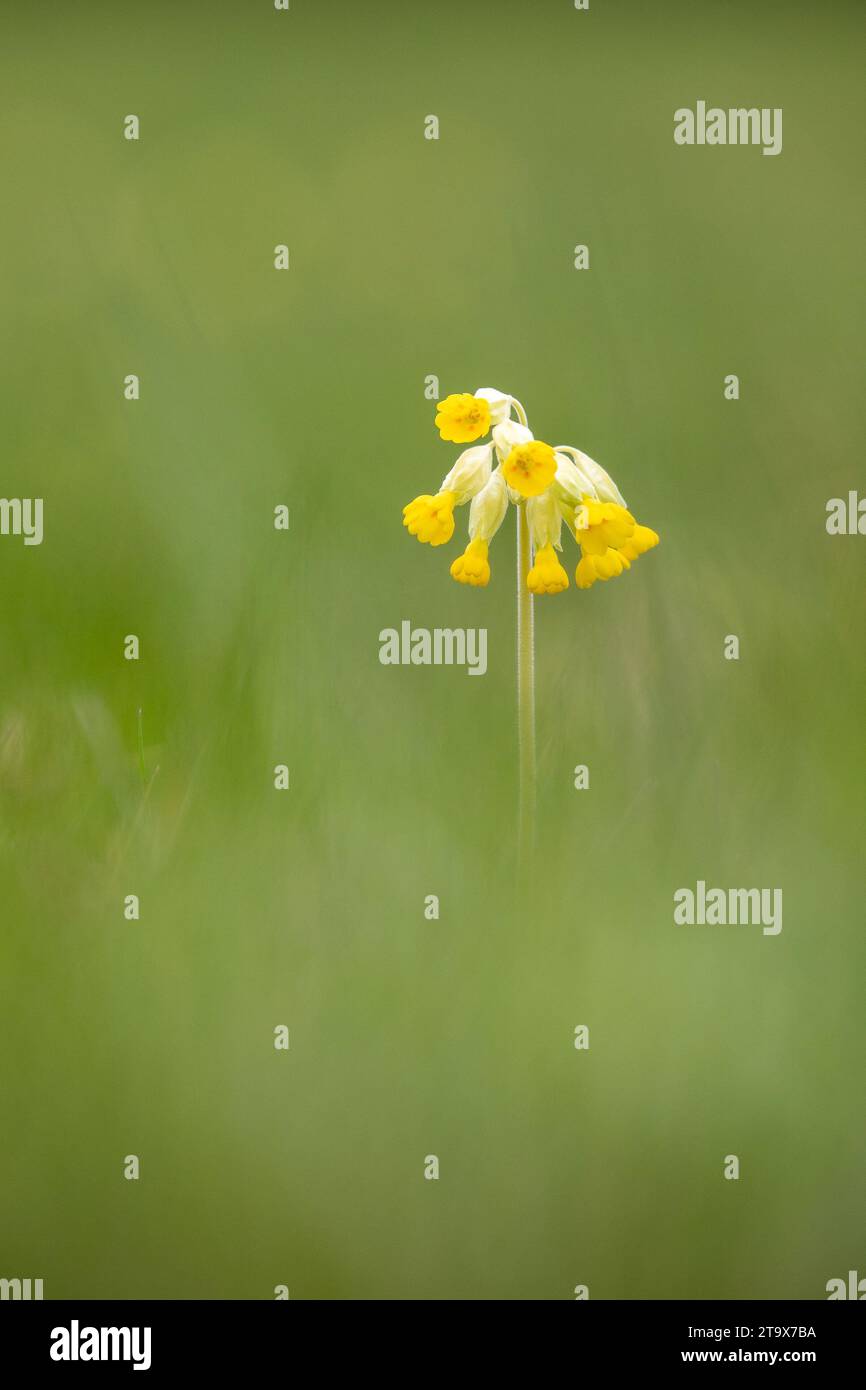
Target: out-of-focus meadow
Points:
(412, 257)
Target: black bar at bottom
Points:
(220, 1338)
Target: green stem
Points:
(525, 696)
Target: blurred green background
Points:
(412, 257)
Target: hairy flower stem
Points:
(525, 700)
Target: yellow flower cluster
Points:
(553, 484)
(609, 539)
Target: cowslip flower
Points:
(554, 484)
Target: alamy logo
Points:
(76, 1343)
(23, 1289)
(738, 125)
(22, 516)
(444, 646)
(720, 907)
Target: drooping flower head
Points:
(554, 484)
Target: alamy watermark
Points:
(443, 646)
(738, 125)
(855, 1287)
(846, 516)
(720, 907)
(22, 516)
(23, 1289)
